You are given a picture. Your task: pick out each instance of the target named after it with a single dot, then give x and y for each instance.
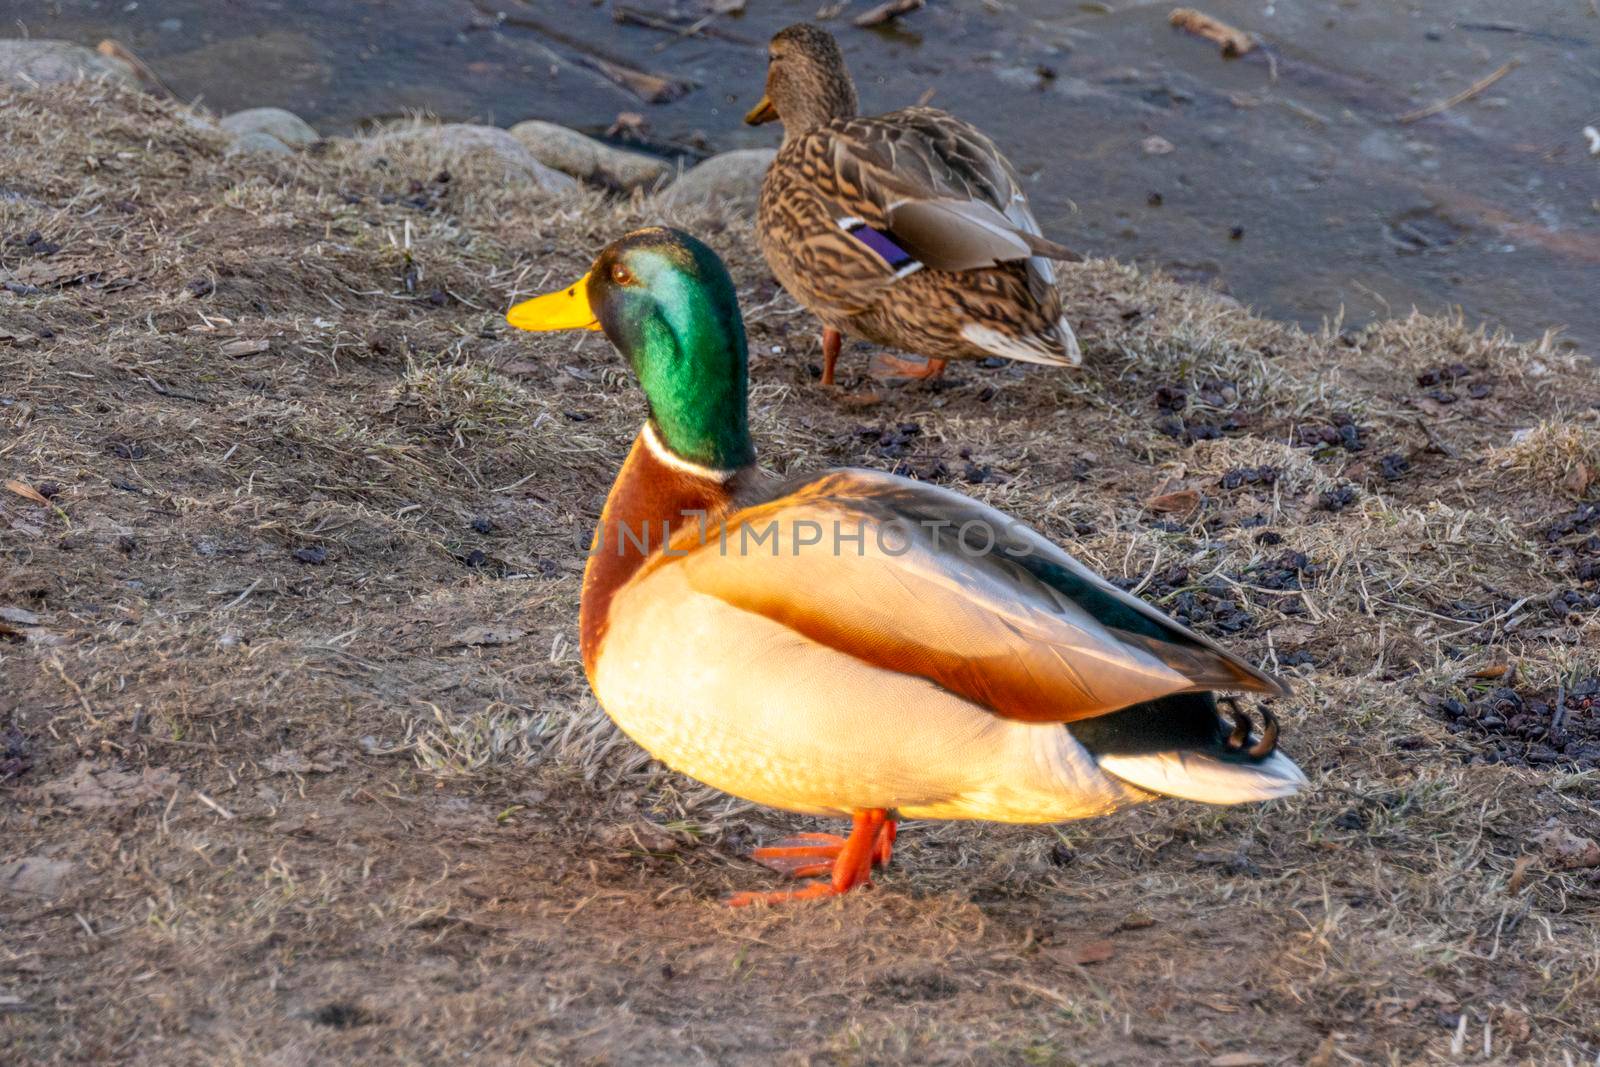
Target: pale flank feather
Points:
(750, 706)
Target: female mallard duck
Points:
(909, 230)
(856, 644)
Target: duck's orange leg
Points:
(848, 862)
(886, 366)
(832, 341)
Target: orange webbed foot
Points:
(884, 365)
(843, 863)
(801, 856)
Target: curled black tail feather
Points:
(1183, 722)
(1238, 739)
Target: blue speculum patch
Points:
(882, 244)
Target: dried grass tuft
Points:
(1563, 453)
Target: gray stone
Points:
(586, 159)
(486, 147)
(256, 143)
(25, 64)
(730, 181)
(286, 126)
(198, 120)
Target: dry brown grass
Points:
(329, 589)
(1557, 452)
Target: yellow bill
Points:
(565, 309)
(762, 112)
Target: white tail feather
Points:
(1022, 349)
(1069, 341)
(1203, 777)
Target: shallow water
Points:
(1283, 177)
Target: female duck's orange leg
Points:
(832, 341)
(849, 863)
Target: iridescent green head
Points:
(666, 302)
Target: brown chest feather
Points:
(649, 502)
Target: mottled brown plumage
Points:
(976, 278)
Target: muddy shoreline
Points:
(1294, 178)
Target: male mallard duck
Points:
(909, 230)
(856, 644)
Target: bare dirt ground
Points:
(297, 762)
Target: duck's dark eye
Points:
(621, 275)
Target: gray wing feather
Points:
(945, 191)
(950, 234)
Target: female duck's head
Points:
(807, 82)
(666, 302)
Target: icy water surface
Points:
(1285, 177)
